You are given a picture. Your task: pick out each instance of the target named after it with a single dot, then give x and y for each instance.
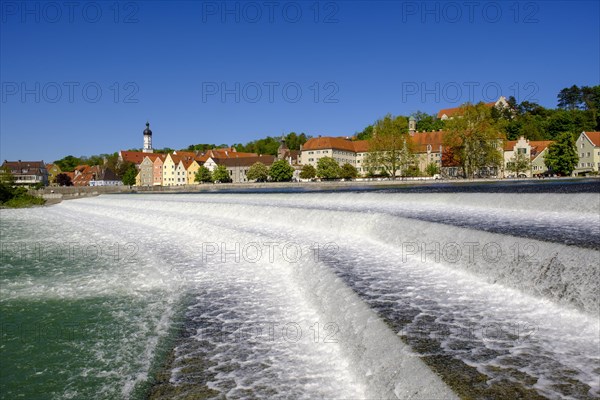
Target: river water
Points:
(352, 294)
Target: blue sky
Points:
(84, 79)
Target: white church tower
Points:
(147, 139)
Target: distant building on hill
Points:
(449, 113)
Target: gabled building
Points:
(533, 150)
(53, 171)
(148, 170)
(191, 167)
(27, 173)
(588, 150)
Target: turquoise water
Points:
(75, 320)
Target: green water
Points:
(75, 323)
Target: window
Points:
(522, 151)
(589, 154)
(582, 155)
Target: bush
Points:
(308, 172)
(221, 175)
(349, 171)
(258, 172)
(281, 171)
(328, 168)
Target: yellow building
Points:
(191, 167)
(53, 170)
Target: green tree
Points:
(519, 163)
(68, 163)
(7, 181)
(389, 150)
(308, 172)
(63, 180)
(562, 155)
(328, 168)
(221, 175)
(570, 98)
(427, 122)
(432, 169)
(281, 171)
(366, 133)
(474, 140)
(203, 175)
(129, 175)
(348, 172)
(258, 172)
(123, 168)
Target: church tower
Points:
(147, 139)
(412, 125)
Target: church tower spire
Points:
(147, 139)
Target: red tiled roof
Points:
(223, 153)
(244, 161)
(457, 110)
(594, 137)
(135, 157)
(509, 145)
(337, 143)
(537, 146)
(420, 140)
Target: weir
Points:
(416, 301)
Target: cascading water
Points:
(303, 295)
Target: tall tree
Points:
(474, 139)
(570, 98)
(562, 155)
(389, 149)
(129, 175)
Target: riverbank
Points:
(54, 195)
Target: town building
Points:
(588, 150)
(96, 175)
(343, 150)
(534, 152)
(53, 171)
(27, 173)
(238, 167)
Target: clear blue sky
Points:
(167, 62)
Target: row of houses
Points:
(180, 167)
